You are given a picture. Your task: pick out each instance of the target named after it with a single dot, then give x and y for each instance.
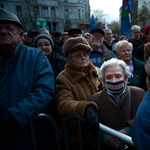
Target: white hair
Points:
(135, 27)
(113, 62)
(122, 43)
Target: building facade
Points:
(55, 15)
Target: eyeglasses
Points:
(80, 55)
(46, 45)
(97, 36)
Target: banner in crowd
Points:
(105, 24)
(126, 17)
(93, 23)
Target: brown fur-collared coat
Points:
(73, 91)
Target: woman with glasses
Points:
(74, 87)
(45, 43)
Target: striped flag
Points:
(93, 23)
(105, 25)
(126, 17)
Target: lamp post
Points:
(51, 17)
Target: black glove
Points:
(7, 121)
(91, 118)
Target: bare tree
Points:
(143, 16)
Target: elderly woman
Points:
(76, 84)
(123, 50)
(117, 102)
(45, 43)
(58, 62)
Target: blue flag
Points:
(93, 23)
(126, 17)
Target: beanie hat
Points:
(146, 29)
(43, 36)
(75, 44)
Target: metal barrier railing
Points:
(55, 128)
(124, 139)
(66, 137)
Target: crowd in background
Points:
(98, 76)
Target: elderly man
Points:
(108, 39)
(136, 30)
(27, 84)
(99, 51)
(117, 102)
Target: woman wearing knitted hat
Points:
(75, 85)
(45, 43)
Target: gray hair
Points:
(43, 29)
(122, 43)
(113, 62)
(107, 30)
(135, 27)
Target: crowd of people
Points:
(98, 76)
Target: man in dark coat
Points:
(26, 87)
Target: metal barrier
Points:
(66, 136)
(124, 139)
(55, 127)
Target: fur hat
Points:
(75, 44)
(43, 36)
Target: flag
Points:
(105, 25)
(126, 17)
(93, 23)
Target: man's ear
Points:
(21, 34)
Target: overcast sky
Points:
(110, 7)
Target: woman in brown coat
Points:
(76, 84)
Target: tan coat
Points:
(74, 89)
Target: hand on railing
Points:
(91, 119)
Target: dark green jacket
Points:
(138, 66)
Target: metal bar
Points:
(56, 129)
(125, 138)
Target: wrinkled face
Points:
(136, 34)
(57, 39)
(96, 39)
(64, 38)
(9, 34)
(45, 45)
(80, 59)
(108, 35)
(31, 38)
(114, 73)
(125, 53)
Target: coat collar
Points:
(74, 74)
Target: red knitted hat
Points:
(146, 29)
